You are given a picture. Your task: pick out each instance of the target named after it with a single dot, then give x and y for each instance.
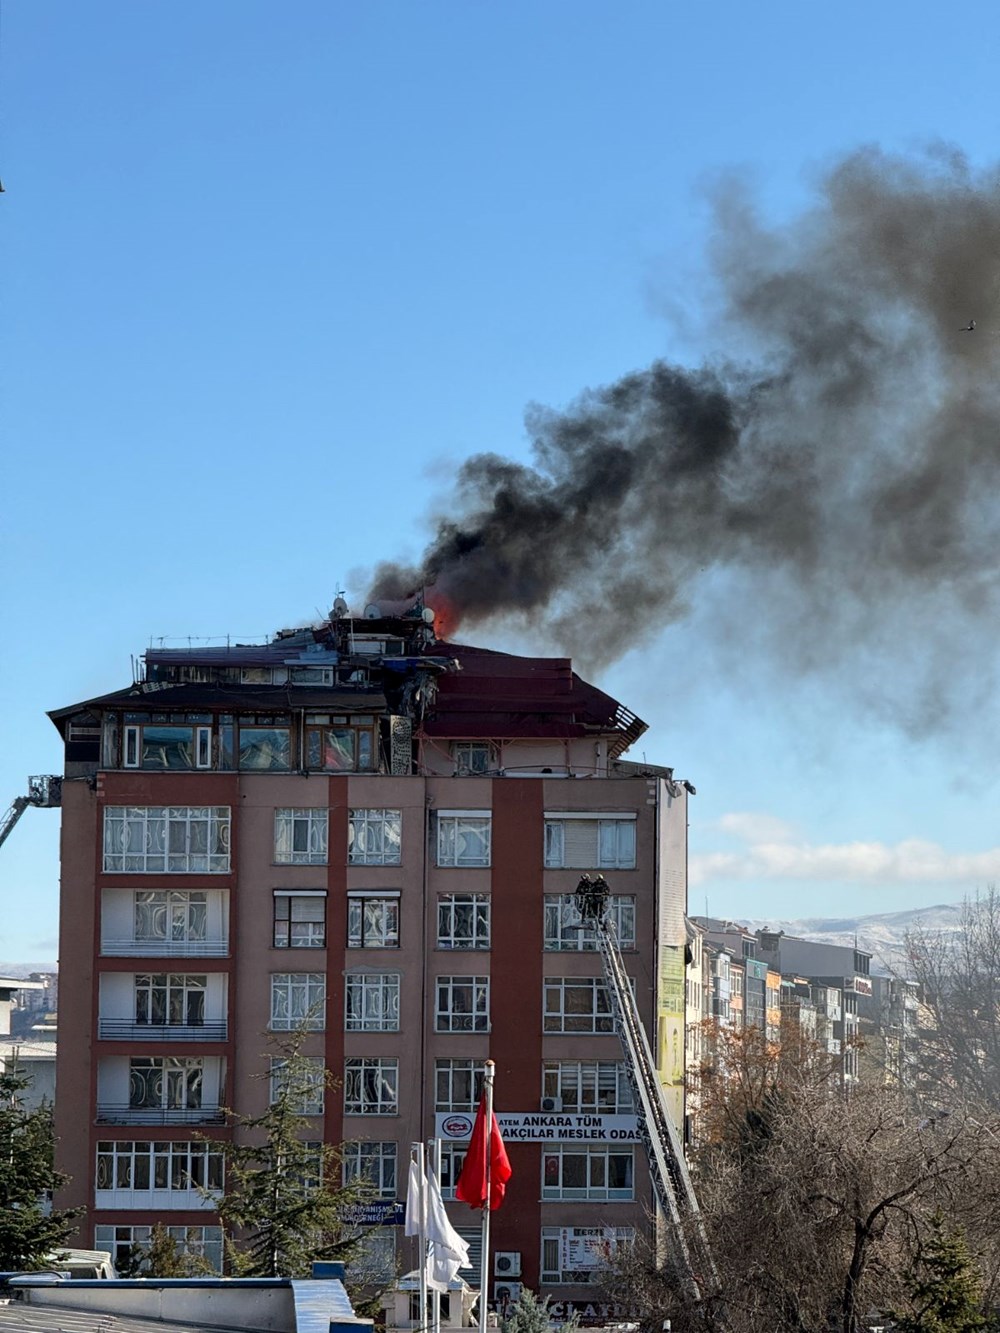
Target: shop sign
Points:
(545, 1127)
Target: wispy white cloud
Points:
(771, 850)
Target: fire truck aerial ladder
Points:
(686, 1235)
(44, 791)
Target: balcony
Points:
(114, 1029)
(159, 948)
(111, 1113)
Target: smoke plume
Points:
(824, 492)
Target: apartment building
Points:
(366, 831)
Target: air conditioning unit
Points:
(507, 1263)
(552, 1104)
(506, 1293)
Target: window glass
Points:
(299, 921)
(463, 921)
(166, 839)
(374, 837)
(564, 929)
(375, 1161)
(265, 747)
(371, 1087)
(298, 1000)
(373, 923)
(463, 840)
(371, 1002)
(590, 844)
(463, 1004)
(300, 836)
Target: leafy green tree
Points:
(944, 1289)
(284, 1204)
(29, 1230)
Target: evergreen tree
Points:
(944, 1287)
(284, 1205)
(29, 1230)
(530, 1315)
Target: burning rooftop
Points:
(380, 692)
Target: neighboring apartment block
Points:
(375, 834)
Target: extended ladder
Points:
(671, 1181)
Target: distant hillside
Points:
(882, 934)
(23, 970)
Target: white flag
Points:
(447, 1251)
(416, 1203)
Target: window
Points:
(298, 1000)
(474, 757)
(564, 930)
(588, 1085)
(371, 1002)
(576, 1004)
(170, 999)
(604, 843)
(372, 921)
(167, 741)
(311, 675)
(463, 839)
(371, 1087)
(184, 1167)
(307, 1091)
(340, 744)
(463, 921)
(374, 837)
(265, 743)
(175, 839)
(373, 1161)
(124, 1242)
(300, 836)
(576, 1254)
(170, 916)
(452, 1160)
(299, 920)
(595, 1174)
(458, 1084)
(463, 1004)
(165, 1083)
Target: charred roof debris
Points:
(352, 693)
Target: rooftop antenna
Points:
(341, 595)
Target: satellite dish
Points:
(373, 611)
(340, 608)
(428, 614)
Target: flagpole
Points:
(418, 1148)
(489, 1071)
(434, 1164)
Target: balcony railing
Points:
(113, 1029)
(120, 1113)
(119, 948)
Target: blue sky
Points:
(270, 272)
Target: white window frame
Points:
(312, 932)
(471, 1013)
(598, 1160)
(558, 1016)
(160, 990)
(372, 1159)
(447, 1073)
(474, 758)
(196, 1241)
(453, 827)
(182, 1083)
(374, 837)
(357, 901)
(563, 926)
(310, 1093)
(610, 826)
(184, 1166)
(298, 1000)
(371, 1002)
(176, 827)
(474, 906)
(371, 1086)
(452, 1161)
(203, 747)
(307, 825)
(588, 1086)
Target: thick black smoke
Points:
(827, 491)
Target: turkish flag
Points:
(486, 1156)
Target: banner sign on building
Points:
(545, 1127)
(582, 1249)
(380, 1213)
